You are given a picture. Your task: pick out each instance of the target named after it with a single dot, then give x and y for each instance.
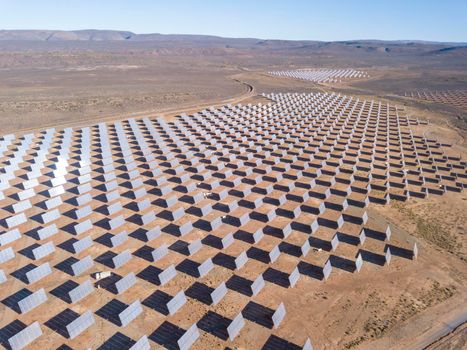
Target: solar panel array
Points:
(456, 98)
(187, 213)
(322, 75)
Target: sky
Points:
(327, 20)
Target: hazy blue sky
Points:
(442, 20)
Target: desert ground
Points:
(405, 305)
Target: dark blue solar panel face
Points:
(117, 341)
(112, 310)
(59, 322)
(21, 273)
(63, 290)
(167, 335)
(12, 300)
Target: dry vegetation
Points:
(406, 306)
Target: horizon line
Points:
(231, 37)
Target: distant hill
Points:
(60, 35)
(359, 51)
(115, 35)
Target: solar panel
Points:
(54, 202)
(83, 199)
(387, 256)
(38, 273)
(388, 233)
(364, 217)
(274, 253)
(84, 170)
(178, 213)
(258, 235)
(81, 213)
(294, 277)
(241, 260)
(32, 301)
(148, 218)
(80, 292)
(170, 201)
(314, 226)
(9, 236)
(26, 194)
(118, 239)
(43, 250)
(305, 248)
(153, 233)
(218, 293)
(278, 315)
(141, 192)
(116, 222)
(80, 324)
(47, 231)
(82, 244)
(125, 283)
(130, 313)
(6, 254)
(114, 208)
(34, 174)
(308, 345)
(83, 227)
(80, 266)
(85, 186)
(194, 246)
(185, 228)
(257, 285)
(334, 242)
(144, 204)
(121, 259)
(21, 206)
(227, 240)
(108, 177)
(25, 337)
(160, 180)
(235, 326)
(205, 267)
(141, 344)
(3, 278)
(176, 302)
(358, 262)
(16, 220)
(166, 275)
(160, 252)
(110, 186)
(137, 182)
(108, 165)
(188, 339)
(327, 269)
(50, 216)
(56, 182)
(362, 237)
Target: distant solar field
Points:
(456, 98)
(322, 75)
